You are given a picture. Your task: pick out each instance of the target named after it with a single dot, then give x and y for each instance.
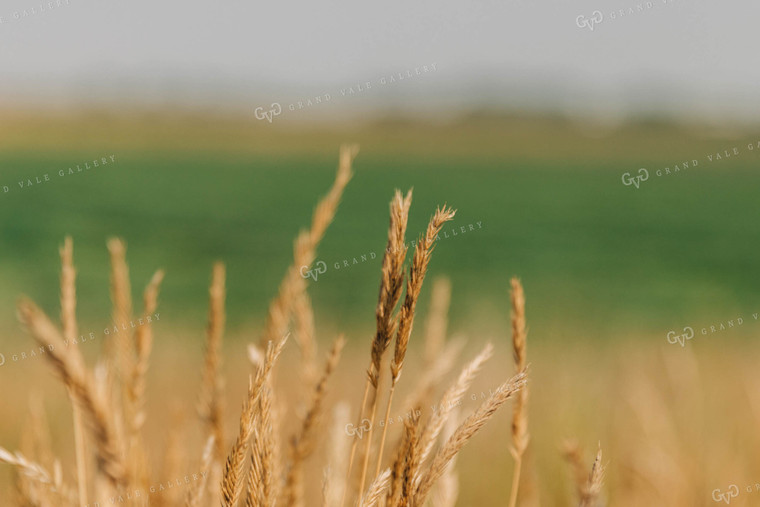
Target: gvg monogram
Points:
(688, 334)
(275, 110)
(359, 431)
(596, 18)
(629, 180)
(314, 273)
(732, 492)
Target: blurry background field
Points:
(544, 196)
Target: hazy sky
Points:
(701, 52)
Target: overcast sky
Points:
(689, 54)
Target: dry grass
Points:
(249, 467)
(520, 435)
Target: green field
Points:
(598, 258)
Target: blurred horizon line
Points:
(431, 95)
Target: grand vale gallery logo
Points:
(583, 22)
(643, 175)
(636, 179)
(731, 492)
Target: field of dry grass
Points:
(299, 419)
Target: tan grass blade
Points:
(376, 489)
(137, 385)
(412, 461)
(69, 365)
(593, 486)
(121, 296)
(420, 262)
(302, 444)
(403, 449)
(465, 432)
(449, 401)
(196, 492)
(261, 476)
(210, 400)
(305, 336)
(35, 445)
(304, 251)
(233, 479)
(520, 435)
(34, 471)
(69, 330)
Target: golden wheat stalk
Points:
(30, 469)
(438, 356)
(305, 336)
(375, 491)
(69, 329)
(137, 385)
(70, 366)
(593, 485)
(196, 492)
(68, 291)
(450, 399)
(304, 251)
(412, 460)
(35, 446)
(420, 262)
(36, 442)
(302, 444)
(520, 436)
(121, 297)
(261, 476)
(254, 488)
(210, 400)
(465, 432)
(391, 285)
(391, 282)
(403, 449)
(294, 284)
(417, 272)
(233, 478)
(446, 489)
